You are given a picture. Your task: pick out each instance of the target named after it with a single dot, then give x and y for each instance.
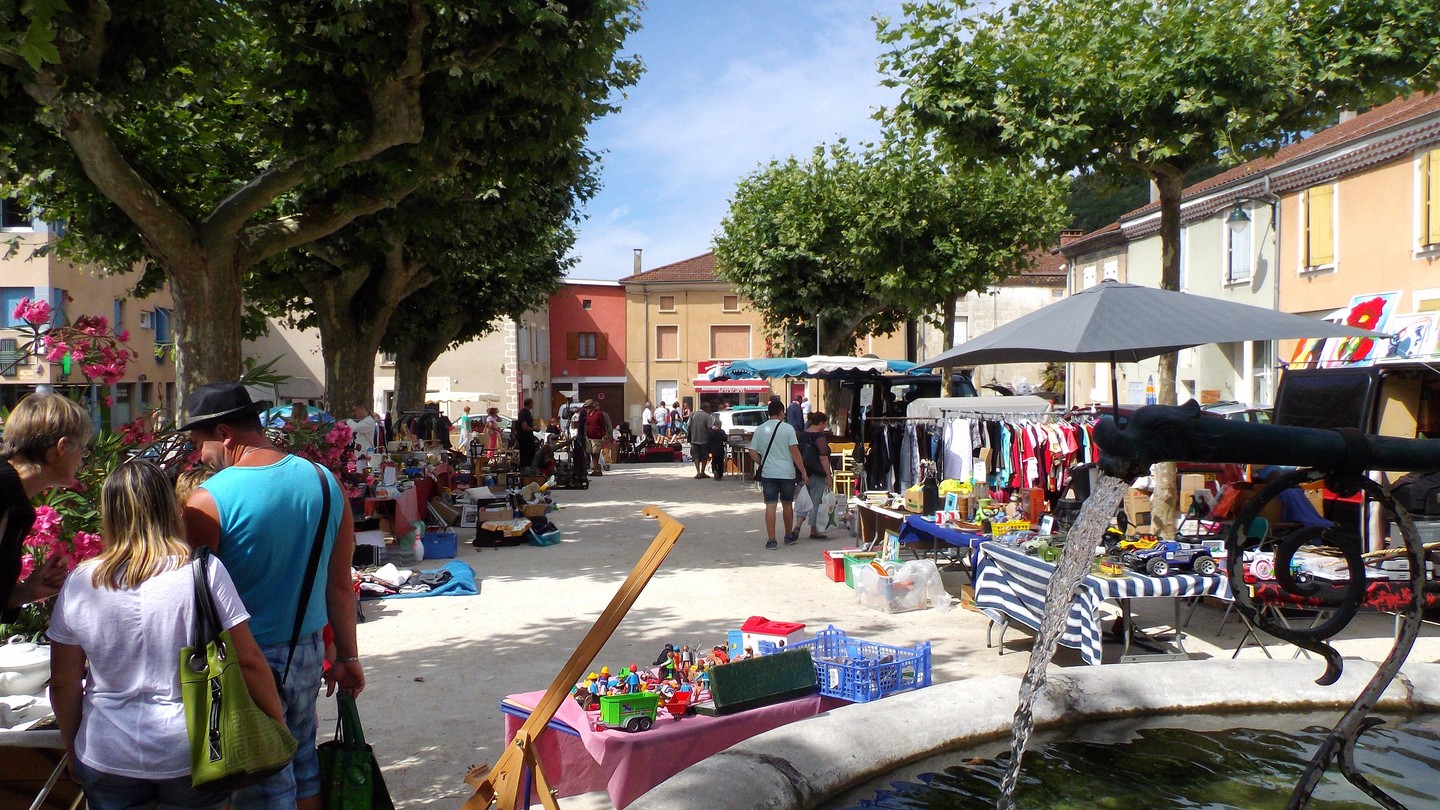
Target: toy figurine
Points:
(687, 658)
(664, 655)
(632, 681)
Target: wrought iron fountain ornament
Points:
(1340, 457)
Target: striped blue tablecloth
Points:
(1010, 586)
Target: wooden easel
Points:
(504, 785)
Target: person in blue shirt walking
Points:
(776, 452)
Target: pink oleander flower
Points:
(35, 313)
(123, 336)
(109, 401)
(87, 545)
(27, 567)
(46, 529)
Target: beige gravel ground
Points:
(437, 668)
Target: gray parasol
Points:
(1114, 323)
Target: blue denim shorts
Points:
(302, 778)
(778, 489)
(108, 791)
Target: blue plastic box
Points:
(439, 545)
(861, 671)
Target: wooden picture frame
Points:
(890, 546)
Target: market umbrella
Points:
(821, 366)
(1114, 323)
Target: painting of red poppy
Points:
(1370, 312)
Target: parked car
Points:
(1238, 410)
(745, 417)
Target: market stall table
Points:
(1010, 586)
(944, 541)
(876, 520)
(579, 760)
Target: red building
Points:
(587, 345)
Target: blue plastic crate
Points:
(861, 671)
(439, 545)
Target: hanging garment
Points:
(957, 460)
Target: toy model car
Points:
(1167, 555)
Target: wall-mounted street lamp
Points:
(1238, 219)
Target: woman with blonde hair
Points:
(126, 614)
(45, 439)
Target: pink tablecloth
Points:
(625, 764)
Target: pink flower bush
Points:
(45, 539)
(35, 313)
(89, 345)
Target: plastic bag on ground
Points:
(908, 586)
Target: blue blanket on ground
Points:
(462, 583)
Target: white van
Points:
(745, 417)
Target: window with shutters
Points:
(1317, 217)
(1429, 165)
(1239, 259)
(586, 347)
(667, 303)
(667, 342)
(10, 357)
(729, 342)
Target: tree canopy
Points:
(202, 139)
(866, 238)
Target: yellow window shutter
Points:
(1319, 220)
(572, 345)
(1432, 197)
(602, 345)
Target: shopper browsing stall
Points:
(776, 454)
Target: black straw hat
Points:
(217, 402)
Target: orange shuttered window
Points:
(667, 343)
(1431, 169)
(1319, 226)
(729, 342)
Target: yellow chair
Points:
(842, 479)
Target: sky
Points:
(729, 85)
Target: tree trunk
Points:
(1166, 494)
(206, 326)
(414, 357)
(349, 355)
(410, 373)
(947, 342)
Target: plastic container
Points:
(861, 671)
(439, 545)
(854, 558)
(835, 563)
(549, 538)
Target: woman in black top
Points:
(44, 445)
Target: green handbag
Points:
(233, 743)
(350, 778)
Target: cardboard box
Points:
(914, 500)
(1137, 511)
(1188, 484)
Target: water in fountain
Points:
(1065, 584)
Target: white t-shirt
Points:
(364, 430)
(647, 417)
(132, 720)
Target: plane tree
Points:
(198, 140)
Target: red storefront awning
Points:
(704, 386)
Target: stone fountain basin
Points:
(805, 764)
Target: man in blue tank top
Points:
(259, 514)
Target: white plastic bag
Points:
(908, 586)
(803, 504)
(829, 515)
